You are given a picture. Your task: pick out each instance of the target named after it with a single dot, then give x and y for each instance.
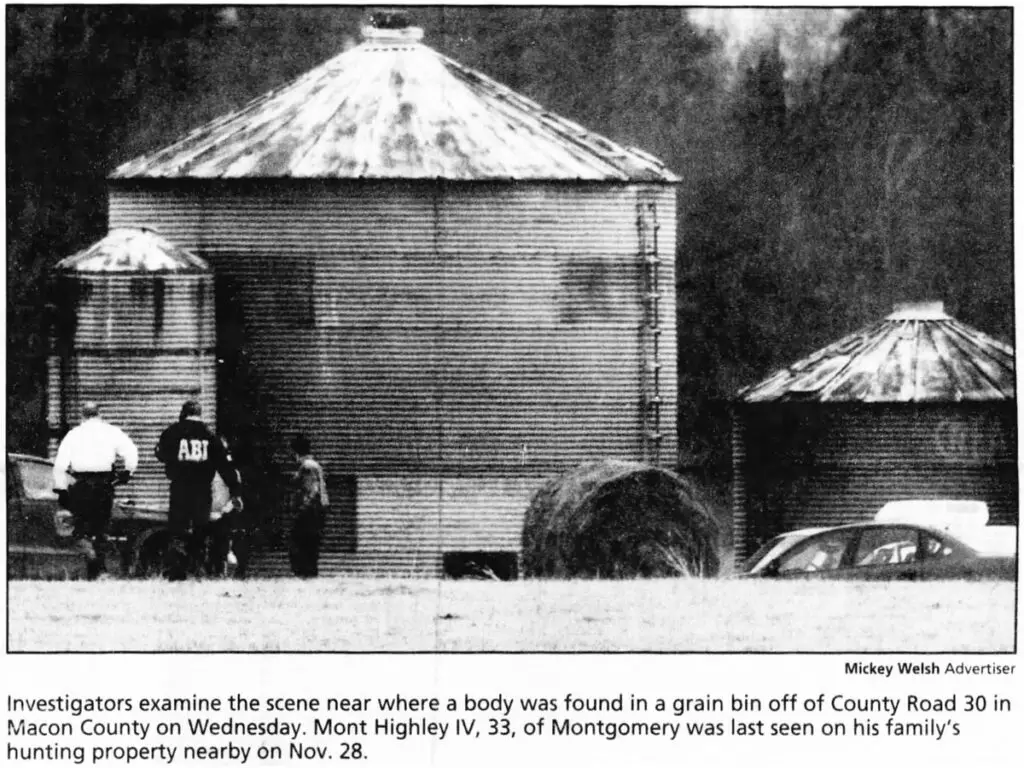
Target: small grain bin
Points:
(914, 406)
(133, 331)
(454, 292)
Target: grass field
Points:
(408, 615)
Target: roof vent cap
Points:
(918, 310)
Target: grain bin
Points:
(133, 331)
(455, 293)
(914, 406)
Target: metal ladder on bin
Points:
(650, 331)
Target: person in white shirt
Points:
(84, 475)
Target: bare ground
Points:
(369, 615)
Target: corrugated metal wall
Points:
(139, 345)
(741, 538)
(810, 466)
(435, 330)
(406, 524)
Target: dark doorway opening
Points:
(502, 566)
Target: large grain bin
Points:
(452, 291)
(914, 406)
(134, 331)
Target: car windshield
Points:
(37, 477)
(824, 552)
(763, 550)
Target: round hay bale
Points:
(618, 519)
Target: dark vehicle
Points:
(40, 544)
(888, 551)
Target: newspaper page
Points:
(500, 385)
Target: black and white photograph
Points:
(510, 330)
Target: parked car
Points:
(893, 550)
(40, 544)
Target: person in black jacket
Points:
(191, 454)
(227, 529)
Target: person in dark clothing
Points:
(226, 527)
(309, 503)
(191, 454)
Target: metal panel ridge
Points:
(464, 329)
(917, 354)
(132, 250)
(395, 111)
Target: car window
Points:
(37, 479)
(887, 545)
(934, 547)
(819, 553)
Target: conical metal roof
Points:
(916, 354)
(393, 108)
(132, 250)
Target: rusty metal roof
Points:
(393, 108)
(916, 354)
(133, 250)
